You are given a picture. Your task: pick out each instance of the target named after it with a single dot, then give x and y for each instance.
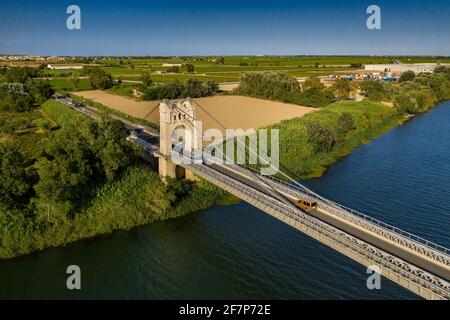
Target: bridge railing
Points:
(389, 262)
(304, 190)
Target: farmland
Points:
(231, 111)
(220, 69)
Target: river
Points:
(238, 252)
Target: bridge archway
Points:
(177, 134)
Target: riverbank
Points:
(136, 198)
(66, 201)
(346, 125)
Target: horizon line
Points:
(234, 55)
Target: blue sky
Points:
(225, 27)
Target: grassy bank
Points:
(300, 156)
(60, 113)
(65, 84)
(45, 216)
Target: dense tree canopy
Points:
(422, 92)
(15, 183)
(271, 85)
(320, 136)
(100, 79)
(20, 74)
(342, 88)
(189, 68)
(281, 86)
(192, 88)
(80, 156)
(373, 90)
(146, 79)
(21, 96)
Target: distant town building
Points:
(402, 67)
(172, 65)
(22, 58)
(64, 66)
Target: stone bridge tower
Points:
(176, 124)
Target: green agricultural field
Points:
(209, 68)
(164, 78)
(57, 73)
(230, 70)
(65, 84)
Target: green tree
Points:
(373, 90)
(212, 87)
(316, 96)
(313, 83)
(193, 88)
(14, 97)
(344, 124)
(146, 79)
(110, 147)
(407, 76)
(173, 69)
(271, 85)
(39, 89)
(20, 74)
(443, 70)
(440, 84)
(82, 155)
(425, 99)
(74, 81)
(100, 79)
(190, 68)
(321, 137)
(15, 184)
(404, 103)
(342, 88)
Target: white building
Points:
(402, 67)
(172, 65)
(64, 66)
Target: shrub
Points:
(407, 76)
(373, 90)
(320, 136)
(99, 79)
